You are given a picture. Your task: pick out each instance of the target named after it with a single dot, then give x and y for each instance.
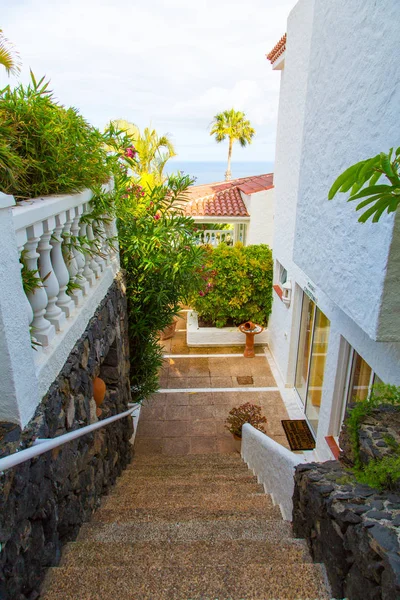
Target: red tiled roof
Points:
(277, 50)
(224, 199)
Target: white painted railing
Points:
(273, 465)
(74, 262)
(50, 235)
(40, 446)
(214, 237)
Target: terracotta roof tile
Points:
(223, 199)
(277, 50)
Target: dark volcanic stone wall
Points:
(44, 502)
(351, 528)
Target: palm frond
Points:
(9, 57)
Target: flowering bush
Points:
(245, 413)
(237, 285)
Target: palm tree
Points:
(9, 58)
(153, 151)
(233, 124)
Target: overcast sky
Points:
(173, 64)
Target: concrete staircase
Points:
(186, 528)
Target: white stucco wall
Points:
(352, 107)
(326, 69)
(260, 207)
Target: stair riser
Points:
(165, 498)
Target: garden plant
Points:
(245, 413)
(237, 285)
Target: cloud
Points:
(174, 64)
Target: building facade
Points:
(335, 323)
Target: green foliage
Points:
(379, 473)
(46, 148)
(364, 176)
(9, 58)
(237, 285)
(234, 125)
(150, 151)
(161, 261)
(245, 413)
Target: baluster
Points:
(110, 228)
(21, 241)
(69, 257)
(79, 256)
(64, 301)
(93, 264)
(43, 330)
(52, 288)
(105, 248)
(87, 271)
(99, 258)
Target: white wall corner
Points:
(19, 390)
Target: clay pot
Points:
(99, 392)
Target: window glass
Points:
(303, 353)
(317, 367)
(360, 380)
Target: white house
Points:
(338, 329)
(245, 203)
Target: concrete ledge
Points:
(217, 336)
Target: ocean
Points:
(210, 172)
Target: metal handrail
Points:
(40, 445)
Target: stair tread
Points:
(192, 530)
(277, 581)
(186, 499)
(200, 553)
(158, 486)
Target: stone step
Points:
(186, 496)
(254, 507)
(203, 553)
(186, 470)
(156, 485)
(245, 528)
(259, 582)
(191, 459)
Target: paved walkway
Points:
(198, 387)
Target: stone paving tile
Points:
(182, 423)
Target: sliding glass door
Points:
(311, 358)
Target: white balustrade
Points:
(64, 301)
(214, 237)
(43, 330)
(58, 245)
(53, 313)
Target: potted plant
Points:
(238, 416)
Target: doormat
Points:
(298, 434)
(245, 380)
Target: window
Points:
(311, 358)
(359, 380)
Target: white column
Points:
(87, 271)
(69, 257)
(43, 330)
(19, 387)
(64, 301)
(93, 264)
(53, 312)
(79, 255)
(99, 258)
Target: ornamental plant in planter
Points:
(245, 413)
(237, 285)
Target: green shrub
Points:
(379, 473)
(237, 285)
(46, 148)
(161, 262)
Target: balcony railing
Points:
(71, 259)
(215, 237)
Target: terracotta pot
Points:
(237, 441)
(99, 391)
(169, 331)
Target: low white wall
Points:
(215, 336)
(273, 465)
